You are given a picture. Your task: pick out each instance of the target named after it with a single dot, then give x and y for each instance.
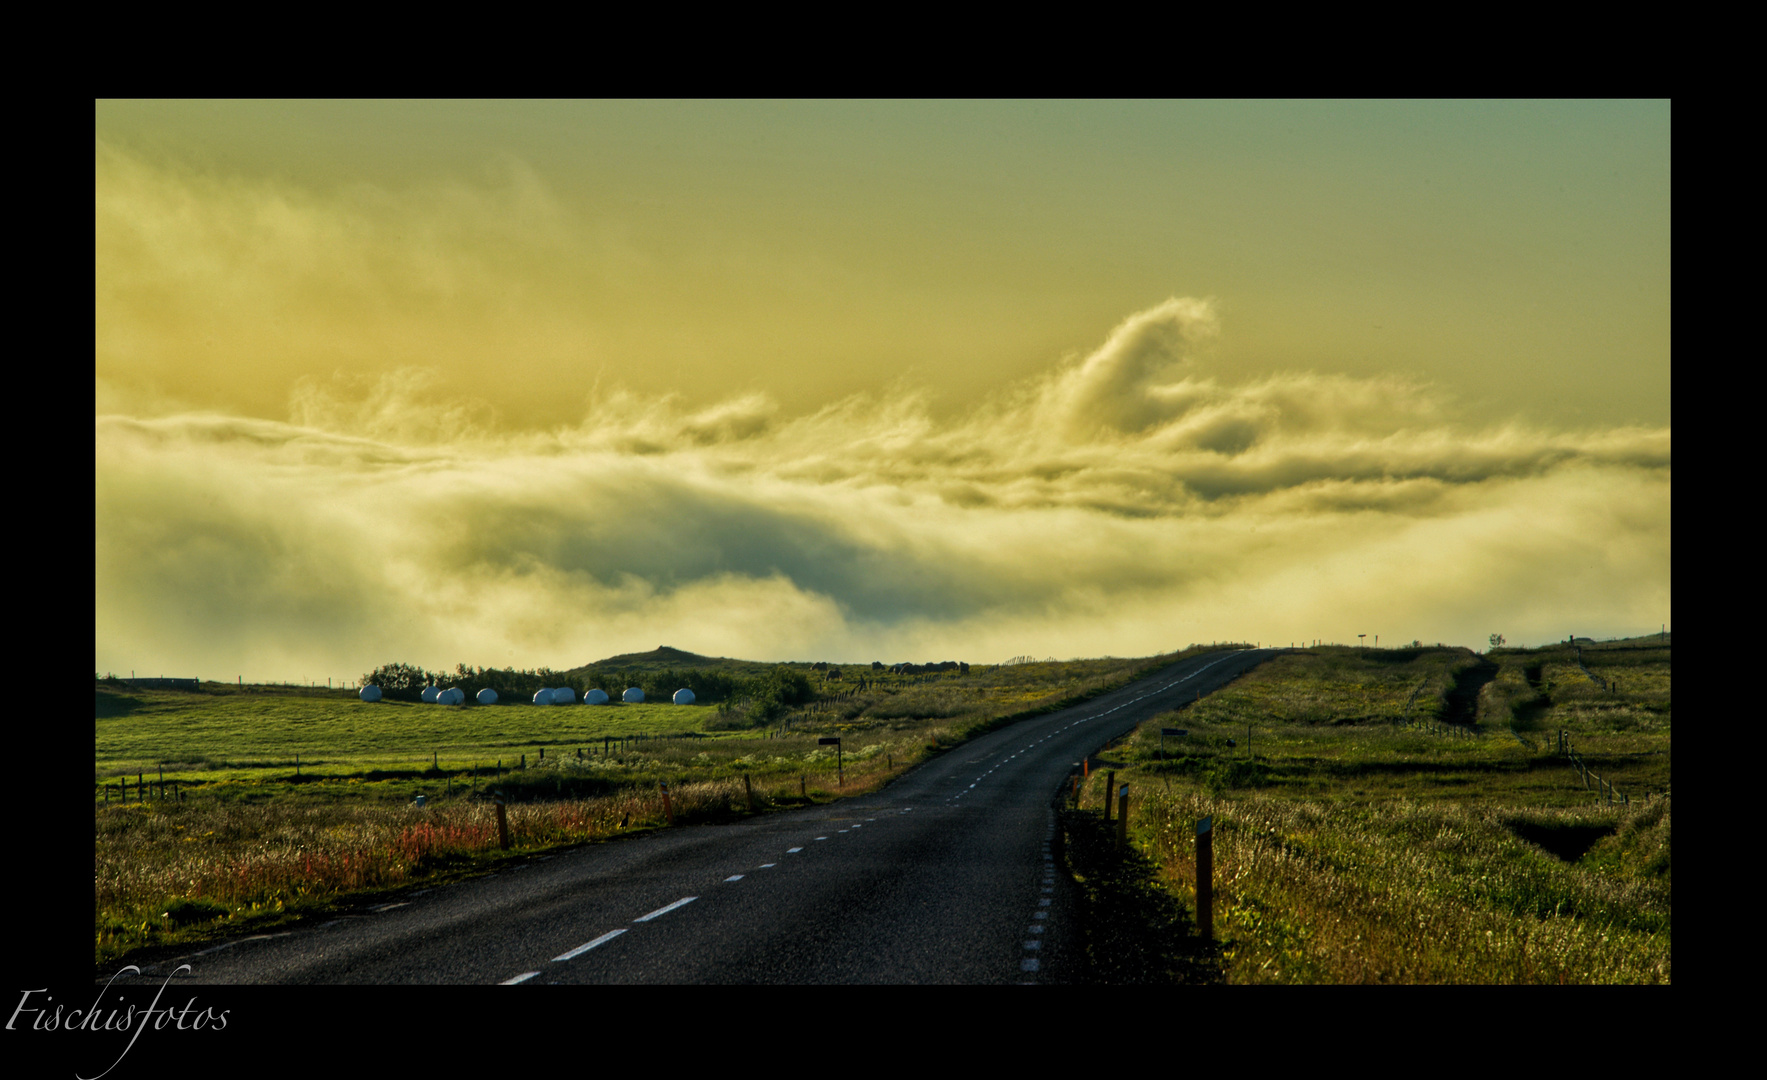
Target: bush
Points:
(184, 912)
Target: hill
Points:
(665, 658)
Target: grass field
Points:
(1381, 816)
(1361, 839)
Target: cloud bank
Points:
(1124, 502)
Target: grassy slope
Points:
(1357, 845)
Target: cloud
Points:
(1115, 389)
(1129, 501)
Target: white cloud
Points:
(1133, 500)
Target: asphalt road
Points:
(946, 876)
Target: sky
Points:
(536, 383)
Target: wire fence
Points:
(1604, 789)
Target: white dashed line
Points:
(734, 877)
(793, 851)
(666, 910)
(581, 949)
(765, 865)
(518, 979)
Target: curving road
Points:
(945, 876)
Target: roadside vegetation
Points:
(234, 809)
(1401, 816)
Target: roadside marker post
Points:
(668, 806)
(839, 771)
(1205, 877)
(1110, 783)
(502, 821)
(749, 787)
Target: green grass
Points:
(1358, 843)
(193, 734)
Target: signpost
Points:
(1176, 733)
(840, 777)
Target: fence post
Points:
(1110, 783)
(749, 787)
(502, 822)
(1123, 817)
(1205, 877)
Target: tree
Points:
(1496, 641)
(401, 682)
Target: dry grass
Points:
(1354, 852)
(1311, 892)
(249, 865)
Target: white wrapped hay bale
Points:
(487, 696)
(543, 696)
(684, 696)
(370, 693)
(632, 694)
(564, 695)
(430, 693)
(595, 697)
(451, 696)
